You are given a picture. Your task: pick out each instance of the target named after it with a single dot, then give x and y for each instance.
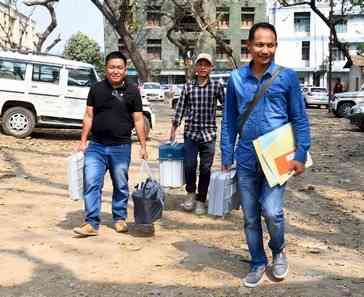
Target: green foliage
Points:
(360, 49)
(82, 48)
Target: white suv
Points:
(45, 91)
(343, 102)
(316, 96)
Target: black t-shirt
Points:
(113, 108)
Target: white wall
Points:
(289, 52)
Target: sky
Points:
(72, 16)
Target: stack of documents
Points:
(275, 149)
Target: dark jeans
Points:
(206, 152)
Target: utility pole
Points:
(329, 74)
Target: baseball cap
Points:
(204, 56)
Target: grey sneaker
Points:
(200, 208)
(280, 266)
(254, 277)
(190, 202)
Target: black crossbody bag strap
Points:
(258, 95)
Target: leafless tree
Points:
(206, 36)
(42, 37)
(119, 15)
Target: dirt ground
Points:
(189, 255)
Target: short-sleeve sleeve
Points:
(91, 97)
(137, 101)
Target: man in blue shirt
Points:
(281, 103)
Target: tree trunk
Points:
(135, 56)
(205, 14)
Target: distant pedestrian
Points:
(114, 107)
(281, 103)
(338, 88)
(198, 103)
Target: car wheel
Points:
(344, 109)
(18, 122)
(146, 127)
(361, 125)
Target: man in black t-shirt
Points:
(114, 108)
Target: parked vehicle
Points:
(177, 90)
(343, 102)
(152, 91)
(316, 96)
(45, 91)
(356, 115)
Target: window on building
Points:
(122, 48)
(154, 49)
(220, 53)
(81, 77)
(342, 26)
(244, 52)
(46, 73)
(247, 17)
(302, 21)
(305, 50)
(153, 16)
(222, 17)
(12, 70)
(188, 24)
(337, 55)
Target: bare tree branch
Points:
(54, 43)
(118, 17)
(49, 5)
(205, 25)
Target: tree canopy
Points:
(82, 48)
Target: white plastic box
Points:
(171, 173)
(75, 175)
(223, 193)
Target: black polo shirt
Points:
(113, 109)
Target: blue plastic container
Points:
(171, 151)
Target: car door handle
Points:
(34, 87)
(70, 91)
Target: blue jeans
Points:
(98, 159)
(206, 150)
(259, 199)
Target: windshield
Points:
(151, 86)
(319, 90)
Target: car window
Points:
(319, 90)
(81, 77)
(46, 73)
(151, 86)
(12, 70)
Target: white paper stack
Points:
(75, 175)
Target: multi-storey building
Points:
(303, 41)
(16, 29)
(234, 19)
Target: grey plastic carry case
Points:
(223, 195)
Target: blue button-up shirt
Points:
(282, 103)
